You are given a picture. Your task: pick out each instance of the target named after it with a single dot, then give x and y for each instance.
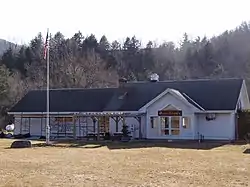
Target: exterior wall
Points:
(222, 128)
(169, 99)
(144, 126)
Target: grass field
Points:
(120, 165)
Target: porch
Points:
(81, 125)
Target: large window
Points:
(170, 125)
(165, 126)
(175, 125)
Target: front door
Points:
(170, 125)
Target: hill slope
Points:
(5, 45)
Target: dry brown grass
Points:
(101, 166)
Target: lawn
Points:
(120, 165)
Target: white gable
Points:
(176, 95)
(170, 102)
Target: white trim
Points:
(194, 101)
(214, 111)
(243, 88)
(123, 112)
(37, 113)
(75, 113)
(244, 83)
(238, 97)
(174, 93)
(20, 113)
(177, 108)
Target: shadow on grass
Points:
(133, 144)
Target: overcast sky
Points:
(154, 20)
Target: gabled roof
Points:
(219, 94)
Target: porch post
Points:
(29, 125)
(79, 125)
(21, 124)
(98, 128)
(116, 119)
(94, 122)
(74, 126)
(94, 119)
(42, 125)
(116, 123)
(138, 118)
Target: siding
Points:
(169, 99)
(222, 128)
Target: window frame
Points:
(155, 121)
(188, 126)
(170, 128)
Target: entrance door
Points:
(170, 125)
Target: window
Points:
(25, 125)
(153, 121)
(185, 122)
(175, 125)
(175, 122)
(165, 126)
(170, 125)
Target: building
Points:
(152, 109)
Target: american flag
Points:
(46, 45)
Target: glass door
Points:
(175, 125)
(170, 126)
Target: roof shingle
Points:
(220, 94)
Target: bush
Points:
(21, 144)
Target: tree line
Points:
(83, 61)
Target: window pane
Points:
(175, 132)
(165, 132)
(153, 121)
(175, 122)
(164, 122)
(186, 122)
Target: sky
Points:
(156, 20)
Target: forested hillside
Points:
(4, 45)
(82, 61)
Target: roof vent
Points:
(122, 82)
(154, 77)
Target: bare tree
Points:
(84, 72)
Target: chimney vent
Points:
(154, 77)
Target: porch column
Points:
(116, 119)
(21, 124)
(42, 125)
(98, 128)
(116, 123)
(74, 126)
(138, 118)
(29, 125)
(95, 119)
(94, 122)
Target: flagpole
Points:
(48, 101)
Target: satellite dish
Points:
(10, 127)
